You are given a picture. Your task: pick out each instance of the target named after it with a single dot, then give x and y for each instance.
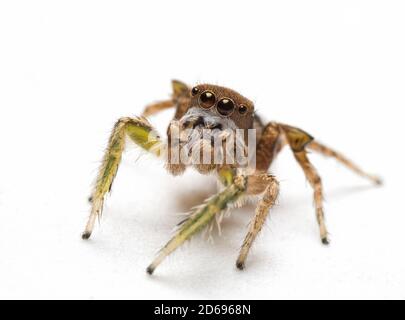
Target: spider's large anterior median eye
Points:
(207, 99)
(225, 106)
(194, 91)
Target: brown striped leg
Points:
(326, 151)
(157, 107)
(315, 181)
(256, 185)
(180, 90)
(298, 140)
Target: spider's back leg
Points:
(180, 90)
(299, 142)
(273, 138)
(328, 152)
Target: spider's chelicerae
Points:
(211, 125)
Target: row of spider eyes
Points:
(225, 106)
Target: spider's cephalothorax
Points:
(210, 128)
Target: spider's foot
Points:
(86, 235)
(240, 265)
(325, 241)
(150, 269)
(378, 181)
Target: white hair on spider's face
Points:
(204, 139)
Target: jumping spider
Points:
(218, 109)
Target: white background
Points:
(69, 69)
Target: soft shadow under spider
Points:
(188, 199)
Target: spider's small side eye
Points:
(207, 99)
(194, 91)
(225, 106)
(242, 109)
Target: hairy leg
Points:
(157, 107)
(138, 130)
(200, 218)
(298, 141)
(315, 181)
(326, 151)
(180, 91)
(256, 185)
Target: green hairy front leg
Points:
(139, 131)
(201, 217)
